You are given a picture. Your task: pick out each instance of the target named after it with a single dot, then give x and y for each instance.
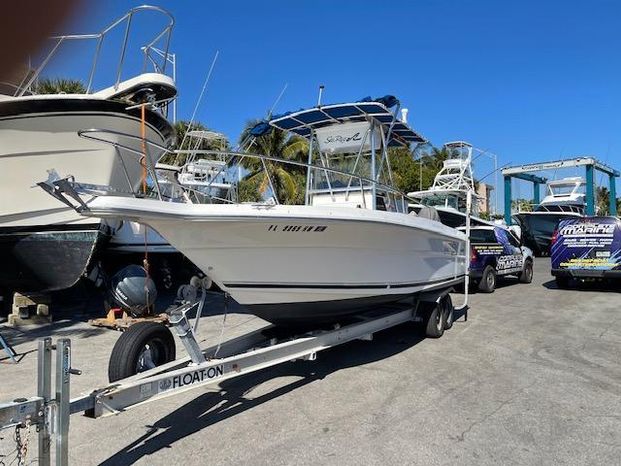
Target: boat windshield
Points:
(571, 208)
(563, 189)
(445, 200)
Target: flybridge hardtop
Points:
(304, 122)
(564, 194)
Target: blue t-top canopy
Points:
(303, 122)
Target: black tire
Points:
(562, 282)
(434, 320)
(447, 304)
(487, 284)
(526, 276)
(139, 342)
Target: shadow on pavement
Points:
(586, 286)
(210, 408)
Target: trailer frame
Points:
(257, 350)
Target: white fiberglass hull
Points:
(39, 135)
(45, 245)
(133, 237)
(299, 264)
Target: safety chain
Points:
(22, 444)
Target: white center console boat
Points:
(352, 246)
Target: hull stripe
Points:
(314, 286)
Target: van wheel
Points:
(526, 276)
(487, 284)
(141, 347)
(435, 320)
(561, 282)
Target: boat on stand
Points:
(44, 245)
(565, 199)
(351, 246)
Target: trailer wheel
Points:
(435, 320)
(526, 276)
(142, 346)
(447, 304)
(487, 284)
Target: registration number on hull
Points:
(297, 228)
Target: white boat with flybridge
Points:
(449, 191)
(351, 246)
(46, 245)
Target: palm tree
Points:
(59, 86)
(405, 169)
(287, 181)
(602, 201)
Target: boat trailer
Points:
(251, 352)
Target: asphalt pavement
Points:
(533, 377)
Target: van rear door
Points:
(587, 247)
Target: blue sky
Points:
(528, 80)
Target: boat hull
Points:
(46, 245)
(538, 228)
(40, 140)
(47, 258)
(298, 264)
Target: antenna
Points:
(321, 88)
(269, 114)
(200, 97)
(404, 115)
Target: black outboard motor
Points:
(133, 290)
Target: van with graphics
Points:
(496, 252)
(586, 247)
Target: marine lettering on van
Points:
(588, 229)
(510, 263)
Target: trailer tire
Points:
(487, 284)
(448, 312)
(141, 347)
(526, 276)
(435, 320)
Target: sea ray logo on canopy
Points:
(347, 137)
(342, 139)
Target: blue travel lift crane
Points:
(522, 172)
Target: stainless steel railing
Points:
(163, 35)
(236, 158)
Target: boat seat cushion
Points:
(429, 212)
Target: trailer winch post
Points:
(63, 377)
(179, 319)
(44, 390)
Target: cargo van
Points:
(586, 247)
